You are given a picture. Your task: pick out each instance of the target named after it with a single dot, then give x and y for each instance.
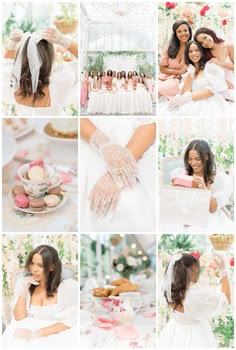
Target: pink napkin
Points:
(126, 333)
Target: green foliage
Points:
(94, 247)
(225, 331)
(169, 243)
(68, 11)
(95, 64)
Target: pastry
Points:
(38, 162)
(21, 201)
(63, 128)
(51, 200)
(37, 204)
(102, 292)
(37, 173)
(125, 288)
(18, 189)
(55, 190)
(120, 281)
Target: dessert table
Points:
(122, 102)
(31, 146)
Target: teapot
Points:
(122, 310)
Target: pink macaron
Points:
(21, 201)
(38, 162)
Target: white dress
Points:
(63, 88)
(65, 311)
(191, 329)
(219, 222)
(135, 211)
(216, 105)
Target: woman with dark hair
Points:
(217, 51)
(200, 94)
(193, 307)
(172, 63)
(90, 83)
(44, 304)
(199, 162)
(29, 80)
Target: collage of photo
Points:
(117, 174)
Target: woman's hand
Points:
(14, 39)
(55, 37)
(199, 182)
(24, 333)
(179, 101)
(220, 263)
(230, 85)
(216, 61)
(26, 284)
(104, 196)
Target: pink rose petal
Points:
(106, 320)
(126, 332)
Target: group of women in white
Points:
(196, 77)
(116, 82)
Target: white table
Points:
(136, 102)
(64, 219)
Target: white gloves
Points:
(120, 162)
(55, 37)
(179, 101)
(28, 280)
(104, 196)
(14, 39)
(221, 264)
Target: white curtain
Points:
(119, 63)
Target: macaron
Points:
(51, 200)
(55, 190)
(18, 189)
(21, 201)
(38, 162)
(37, 204)
(37, 173)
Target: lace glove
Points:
(25, 333)
(120, 162)
(179, 101)
(55, 37)
(26, 284)
(221, 264)
(14, 39)
(104, 196)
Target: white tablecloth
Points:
(137, 102)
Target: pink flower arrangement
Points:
(224, 22)
(170, 5)
(231, 261)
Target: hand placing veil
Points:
(31, 80)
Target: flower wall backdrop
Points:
(15, 249)
(219, 17)
(200, 246)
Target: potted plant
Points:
(67, 21)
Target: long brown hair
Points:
(50, 257)
(46, 53)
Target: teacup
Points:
(134, 298)
(39, 188)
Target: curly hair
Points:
(53, 278)
(207, 52)
(182, 278)
(202, 61)
(46, 53)
(174, 45)
(207, 158)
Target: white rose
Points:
(131, 261)
(120, 267)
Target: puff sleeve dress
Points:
(215, 105)
(65, 311)
(191, 328)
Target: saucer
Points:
(63, 201)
